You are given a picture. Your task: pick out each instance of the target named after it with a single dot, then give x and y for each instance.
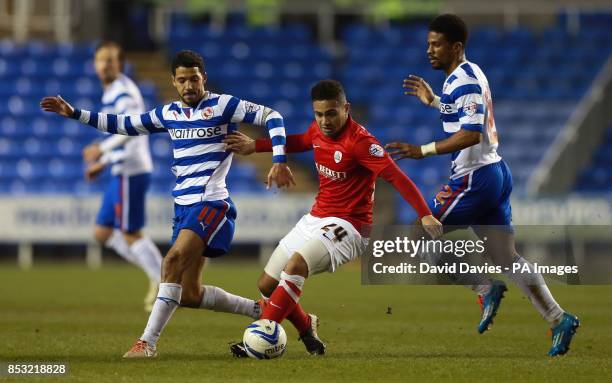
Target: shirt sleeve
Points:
(470, 107)
(370, 154)
(124, 124)
(236, 110)
(407, 189)
(296, 143)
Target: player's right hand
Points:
(432, 226)
(239, 143)
(281, 175)
(419, 88)
(93, 171)
(57, 105)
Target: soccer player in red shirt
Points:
(349, 160)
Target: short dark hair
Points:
(327, 90)
(451, 26)
(112, 44)
(187, 59)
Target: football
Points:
(265, 339)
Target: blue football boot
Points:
(489, 303)
(563, 333)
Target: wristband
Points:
(429, 149)
(435, 103)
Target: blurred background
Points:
(549, 65)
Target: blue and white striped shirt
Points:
(200, 160)
(466, 104)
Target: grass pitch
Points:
(374, 333)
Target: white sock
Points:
(118, 243)
(149, 257)
(168, 299)
(534, 287)
(220, 300)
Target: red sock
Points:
(300, 319)
(284, 298)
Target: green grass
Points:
(89, 318)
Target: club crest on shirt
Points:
(470, 109)
(337, 156)
(377, 150)
(208, 113)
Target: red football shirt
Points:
(348, 166)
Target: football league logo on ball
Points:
(337, 156)
(207, 113)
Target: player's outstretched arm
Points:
(243, 111)
(240, 143)
(57, 105)
(458, 141)
(420, 89)
(127, 125)
(401, 150)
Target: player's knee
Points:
(266, 285)
(173, 264)
(297, 266)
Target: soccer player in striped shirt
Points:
(122, 215)
(204, 213)
(478, 194)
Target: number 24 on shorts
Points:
(334, 232)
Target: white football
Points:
(264, 339)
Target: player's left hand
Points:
(239, 143)
(93, 171)
(91, 153)
(57, 105)
(432, 226)
(404, 150)
(281, 175)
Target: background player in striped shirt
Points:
(204, 213)
(478, 194)
(348, 160)
(122, 214)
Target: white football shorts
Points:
(324, 243)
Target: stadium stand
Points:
(536, 80)
(40, 153)
(597, 177)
